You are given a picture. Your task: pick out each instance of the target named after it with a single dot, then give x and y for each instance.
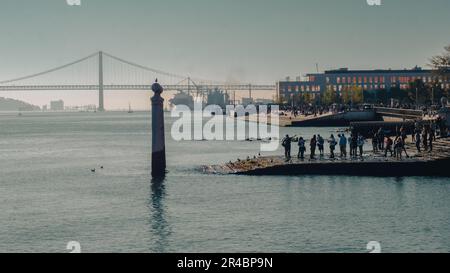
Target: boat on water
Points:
(201, 99)
(182, 98)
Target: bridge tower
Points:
(101, 106)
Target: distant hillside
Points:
(16, 105)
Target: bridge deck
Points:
(234, 87)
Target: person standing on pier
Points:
(353, 139)
(398, 147)
(375, 142)
(313, 145)
(301, 148)
(360, 143)
(430, 140)
(403, 134)
(433, 130)
(425, 138)
(388, 146)
(320, 145)
(286, 143)
(333, 143)
(417, 139)
(343, 145)
(380, 141)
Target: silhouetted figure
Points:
(360, 143)
(286, 143)
(388, 147)
(333, 143)
(375, 142)
(320, 145)
(398, 148)
(380, 141)
(425, 139)
(417, 138)
(430, 141)
(343, 145)
(353, 145)
(301, 148)
(313, 145)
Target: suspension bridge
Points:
(102, 71)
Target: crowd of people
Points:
(423, 136)
(355, 142)
(306, 111)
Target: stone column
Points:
(158, 138)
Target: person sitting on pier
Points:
(320, 145)
(360, 143)
(417, 139)
(301, 148)
(343, 145)
(313, 145)
(286, 143)
(388, 146)
(333, 143)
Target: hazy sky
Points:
(260, 41)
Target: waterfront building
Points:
(368, 80)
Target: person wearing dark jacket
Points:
(286, 143)
(313, 145)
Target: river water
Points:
(49, 196)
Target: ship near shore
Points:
(204, 98)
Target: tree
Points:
(352, 94)
(418, 90)
(441, 67)
(307, 98)
(357, 94)
(329, 97)
(346, 95)
(441, 63)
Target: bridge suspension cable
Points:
(144, 67)
(49, 71)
